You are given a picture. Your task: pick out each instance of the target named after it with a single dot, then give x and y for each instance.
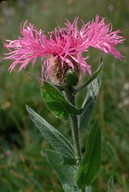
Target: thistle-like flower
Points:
(62, 48)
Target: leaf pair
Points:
(63, 149)
(63, 152)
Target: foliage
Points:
(16, 167)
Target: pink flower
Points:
(64, 45)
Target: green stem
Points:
(88, 189)
(73, 122)
(75, 134)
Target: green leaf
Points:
(57, 103)
(66, 173)
(111, 184)
(90, 163)
(54, 137)
(90, 101)
(69, 161)
(94, 76)
(35, 76)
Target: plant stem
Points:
(88, 189)
(75, 134)
(73, 122)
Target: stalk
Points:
(88, 189)
(73, 123)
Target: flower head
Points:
(62, 48)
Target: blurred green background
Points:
(23, 165)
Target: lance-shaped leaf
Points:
(93, 77)
(90, 101)
(54, 137)
(57, 103)
(66, 173)
(90, 163)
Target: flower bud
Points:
(71, 78)
(64, 75)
